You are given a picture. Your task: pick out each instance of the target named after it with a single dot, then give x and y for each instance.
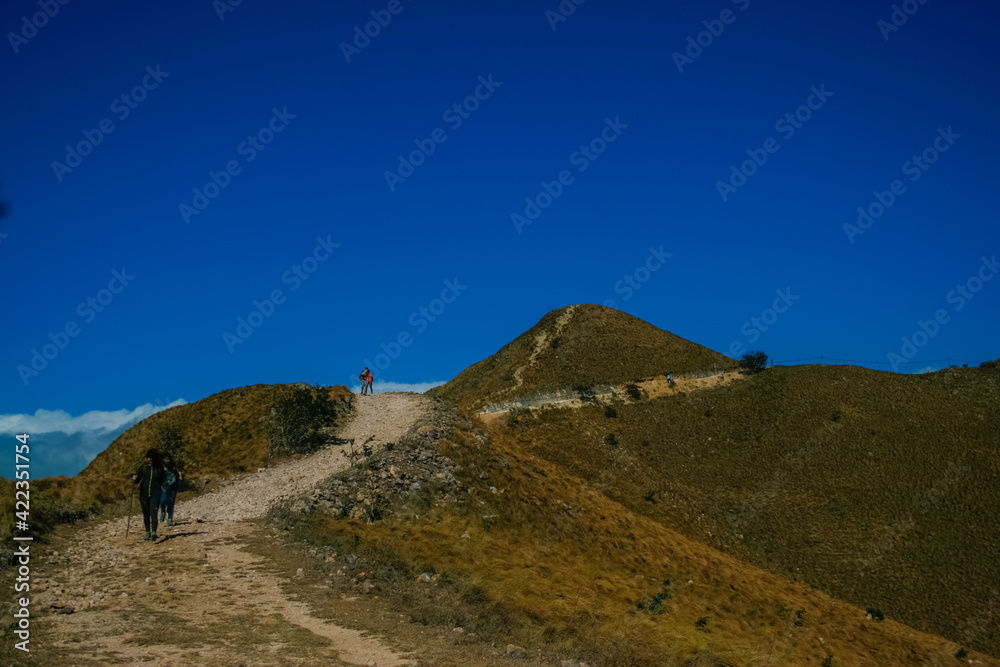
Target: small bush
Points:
(634, 391)
(754, 362)
(655, 604)
(556, 342)
(610, 412)
(651, 496)
(586, 394)
(800, 617)
(828, 661)
(701, 623)
(961, 654)
(611, 440)
(835, 417)
(783, 611)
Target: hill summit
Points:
(578, 346)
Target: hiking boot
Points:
(146, 537)
(170, 522)
(152, 537)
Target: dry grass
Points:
(876, 488)
(597, 346)
(560, 564)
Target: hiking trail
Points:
(197, 595)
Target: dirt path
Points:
(654, 388)
(540, 341)
(197, 596)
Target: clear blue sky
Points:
(607, 68)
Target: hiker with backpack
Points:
(149, 477)
(172, 477)
(366, 381)
(370, 379)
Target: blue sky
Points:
(249, 160)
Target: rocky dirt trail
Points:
(654, 388)
(197, 596)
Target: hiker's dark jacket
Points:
(149, 479)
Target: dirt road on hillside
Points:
(197, 596)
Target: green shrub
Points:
(701, 623)
(754, 362)
(610, 412)
(611, 440)
(655, 604)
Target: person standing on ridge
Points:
(149, 477)
(172, 477)
(364, 380)
(371, 378)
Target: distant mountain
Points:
(581, 345)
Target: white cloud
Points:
(62, 444)
(60, 421)
(925, 369)
(379, 387)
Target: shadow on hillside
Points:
(173, 536)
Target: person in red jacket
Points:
(366, 380)
(371, 378)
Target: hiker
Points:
(149, 477)
(670, 378)
(172, 477)
(365, 374)
(370, 379)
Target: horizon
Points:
(208, 195)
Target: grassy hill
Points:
(583, 345)
(524, 549)
(225, 433)
(879, 489)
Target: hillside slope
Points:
(582, 345)
(515, 547)
(224, 433)
(879, 489)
